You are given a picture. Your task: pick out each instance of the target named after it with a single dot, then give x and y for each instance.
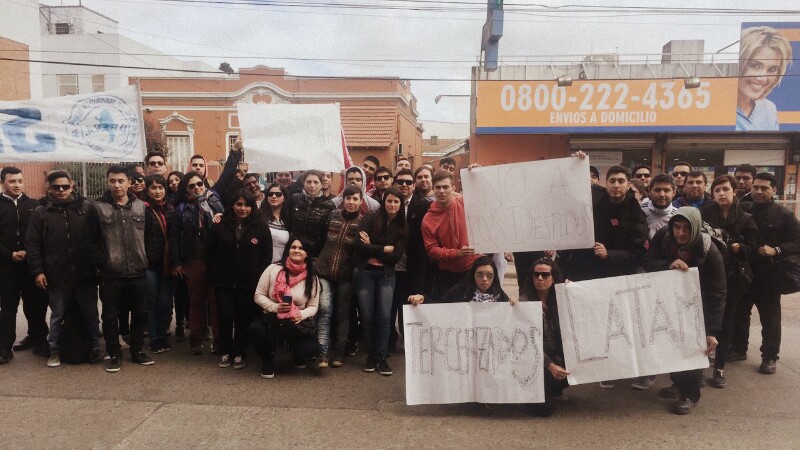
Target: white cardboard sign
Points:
(537, 205)
(288, 137)
(474, 352)
(632, 326)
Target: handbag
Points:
(293, 331)
(787, 274)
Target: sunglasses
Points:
(485, 275)
(60, 187)
(275, 194)
(404, 182)
(641, 175)
(682, 174)
(138, 180)
(383, 177)
(155, 163)
(542, 275)
(195, 185)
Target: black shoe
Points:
(383, 368)
(352, 348)
(734, 356)
(717, 380)
(299, 362)
(540, 409)
(114, 364)
(267, 370)
(25, 344)
(142, 359)
(96, 356)
(768, 366)
(370, 365)
(669, 392)
(42, 349)
(683, 406)
(180, 335)
(6, 356)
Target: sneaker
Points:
(338, 361)
(155, 347)
(718, 379)
(669, 392)
(383, 368)
(197, 349)
(352, 348)
(683, 406)
(322, 361)
(643, 383)
(734, 356)
(768, 366)
(299, 362)
(96, 356)
(267, 370)
(225, 361)
(370, 366)
(123, 345)
(113, 365)
(239, 363)
(42, 349)
(606, 385)
(25, 344)
(142, 359)
(165, 346)
(54, 360)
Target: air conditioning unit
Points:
(399, 149)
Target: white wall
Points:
(19, 21)
(444, 130)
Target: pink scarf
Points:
(297, 273)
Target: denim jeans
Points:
(84, 292)
(324, 315)
(374, 291)
(160, 289)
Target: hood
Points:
(695, 221)
(363, 177)
(189, 167)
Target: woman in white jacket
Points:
(288, 294)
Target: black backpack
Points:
(75, 344)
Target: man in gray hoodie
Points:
(354, 176)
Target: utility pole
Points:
(492, 32)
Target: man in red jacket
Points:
(444, 232)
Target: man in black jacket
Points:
(779, 237)
(55, 235)
(115, 244)
(15, 276)
(681, 245)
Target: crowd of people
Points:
(293, 265)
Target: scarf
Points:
(297, 273)
(481, 297)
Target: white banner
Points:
(99, 127)
(538, 205)
(474, 352)
(632, 326)
(286, 137)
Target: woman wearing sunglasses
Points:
(196, 210)
(482, 285)
(277, 215)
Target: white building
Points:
(19, 24)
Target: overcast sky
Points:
(440, 45)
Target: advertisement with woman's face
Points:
(765, 85)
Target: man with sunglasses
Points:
(642, 173)
(404, 180)
(54, 241)
(383, 180)
(744, 175)
(679, 173)
(15, 276)
(155, 164)
(137, 181)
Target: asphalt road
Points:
(184, 401)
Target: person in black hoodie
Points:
(238, 250)
(310, 211)
(678, 246)
(162, 258)
(482, 285)
(55, 235)
(15, 275)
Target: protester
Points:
(383, 180)
(694, 191)
(481, 286)
(15, 275)
(278, 218)
(233, 172)
(642, 173)
(402, 163)
(638, 190)
(137, 183)
(382, 241)
(679, 173)
(251, 184)
(354, 176)
(195, 213)
(779, 237)
(678, 246)
(54, 241)
(174, 180)
(162, 258)
(370, 165)
(288, 294)
(115, 245)
(327, 178)
(335, 270)
(197, 164)
(744, 175)
(238, 250)
(421, 273)
(155, 164)
(658, 207)
(404, 180)
(448, 164)
(310, 212)
(726, 214)
(594, 176)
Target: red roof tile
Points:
(369, 126)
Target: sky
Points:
(435, 49)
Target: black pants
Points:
(264, 334)
(688, 383)
(768, 302)
(446, 279)
(236, 309)
(402, 289)
(342, 310)
(16, 281)
(735, 293)
(114, 292)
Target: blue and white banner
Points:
(99, 127)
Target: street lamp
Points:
(440, 96)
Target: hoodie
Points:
(657, 218)
(444, 232)
(369, 203)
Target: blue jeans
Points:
(85, 293)
(160, 289)
(324, 315)
(374, 291)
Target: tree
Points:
(154, 137)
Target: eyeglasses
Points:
(404, 182)
(155, 163)
(383, 177)
(60, 187)
(275, 194)
(542, 275)
(641, 175)
(195, 185)
(138, 180)
(681, 174)
(485, 275)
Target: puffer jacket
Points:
(115, 241)
(390, 235)
(335, 260)
(56, 232)
(310, 218)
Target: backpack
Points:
(74, 342)
(720, 238)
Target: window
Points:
(98, 83)
(67, 85)
(180, 150)
(62, 28)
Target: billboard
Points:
(764, 97)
